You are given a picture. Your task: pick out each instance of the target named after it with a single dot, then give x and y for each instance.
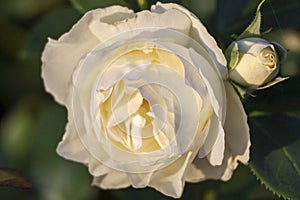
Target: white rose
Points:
(257, 63)
(147, 105)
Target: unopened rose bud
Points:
(253, 62)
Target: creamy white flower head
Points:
(146, 97)
(257, 63)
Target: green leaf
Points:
(275, 151)
(86, 5)
(12, 178)
(232, 55)
(254, 28)
(243, 185)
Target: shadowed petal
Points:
(61, 57)
(71, 147)
(237, 130)
(112, 180)
(199, 33)
(171, 179)
(237, 144)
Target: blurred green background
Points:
(32, 124)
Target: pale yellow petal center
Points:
(268, 57)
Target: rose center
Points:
(268, 57)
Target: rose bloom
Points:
(257, 64)
(147, 99)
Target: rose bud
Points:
(253, 62)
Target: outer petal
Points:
(214, 146)
(237, 144)
(201, 169)
(237, 130)
(171, 180)
(213, 83)
(252, 45)
(171, 19)
(61, 57)
(71, 147)
(199, 33)
(214, 143)
(112, 180)
(140, 180)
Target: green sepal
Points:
(253, 30)
(274, 82)
(267, 31)
(234, 36)
(232, 55)
(242, 91)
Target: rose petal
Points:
(122, 108)
(170, 180)
(237, 144)
(253, 45)
(213, 83)
(254, 74)
(212, 80)
(96, 168)
(107, 20)
(199, 33)
(112, 180)
(214, 144)
(237, 130)
(60, 57)
(201, 169)
(189, 99)
(140, 180)
(216, 155)
(170, 19)
(71, 146)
